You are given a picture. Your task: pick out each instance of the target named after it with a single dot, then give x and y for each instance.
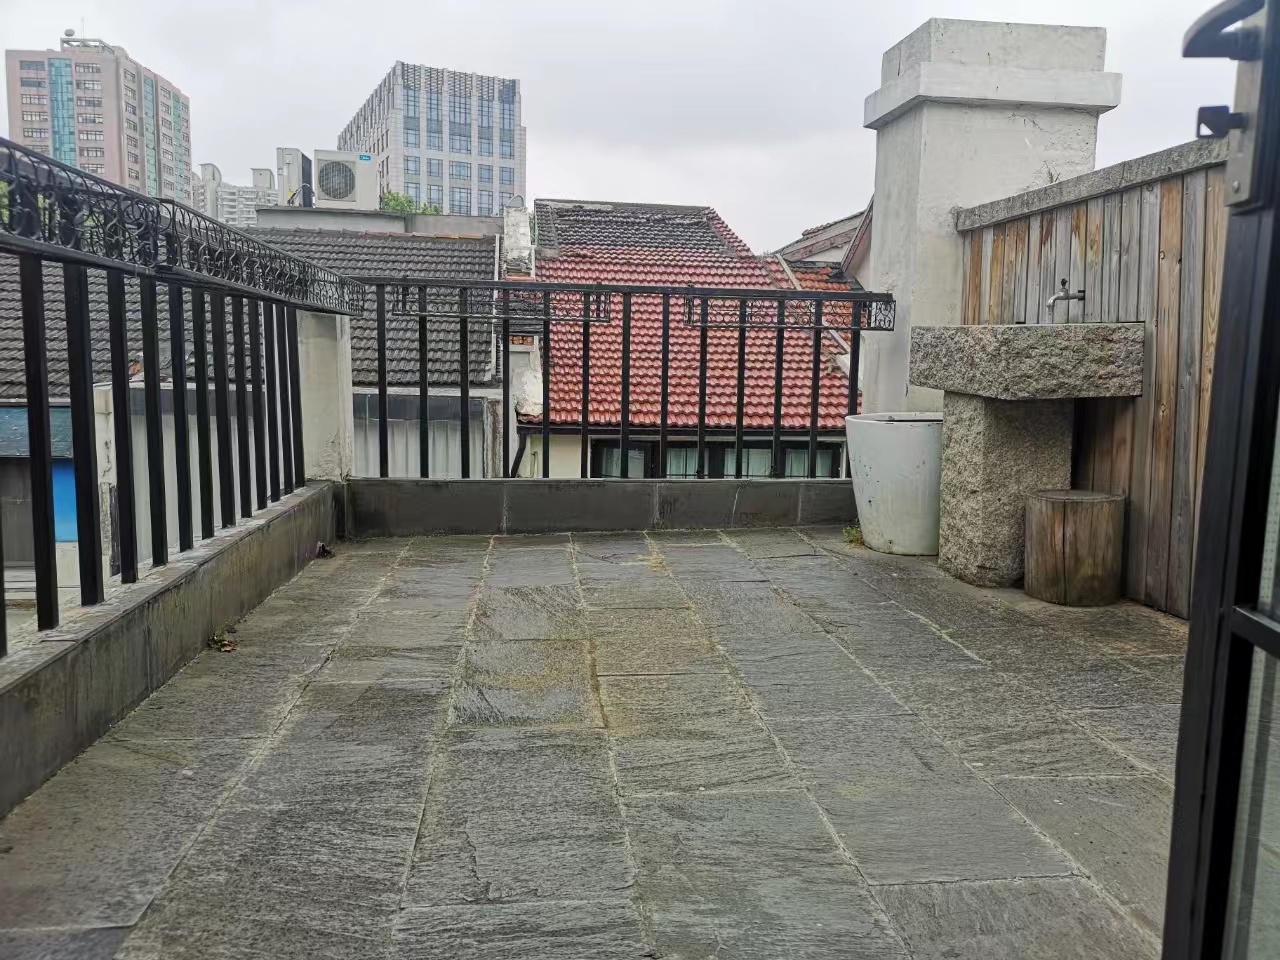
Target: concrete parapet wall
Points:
(397, 507)
(65, 689)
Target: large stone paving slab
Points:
(1058, 919)
(527, 683)
(751, 875)
(93, 944)
(515, 816)
(529, 613)
(907, 809)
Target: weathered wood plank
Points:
(1034, 302)
(1015, 272)
(965, 259)
(1145, 262)
(1109, 311)
(1122, 445)
(995, 281)
(1129, 265)
(1079, 241)
(1182, 522)
(1215, 240)
(1048, 263)
(1165, 397)
(1082, 445)
(1103, 442)
(973, 277)
(1062, 256)
(1094, 289)
(984, 279)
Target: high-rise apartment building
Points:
(234, 205)
(90, 105)
(453, 140)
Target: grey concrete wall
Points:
(61, 692)
(411, 507)
(453, 225)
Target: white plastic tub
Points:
(895, 460)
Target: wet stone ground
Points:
(749, 744)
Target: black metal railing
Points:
(97, 260)
(587, 339)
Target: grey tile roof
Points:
(579, 223)
(358, 254)
(347, 252)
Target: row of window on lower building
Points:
(459, 199)
(459, 170)
(720, 459)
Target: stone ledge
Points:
(1031, 362)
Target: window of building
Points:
(166, 109)
(31, 82)
(460, 200)
(484, 146)
(34, 116)
(132, 141)
(435, 141)
(459, 109)
(168, 170)
(411, 102)
(134, 175)
(413, 191)
(35, 133)
(93, 151)
(88, 84)
(167, 154)
(412, 166)
(504, 199)
(506, 149)
(92, 135)
(167, 124)
(508, 115)
(435, 194)
(459, 139)
(88, 101)
(31, 65)
(435, 167)
(507, 176)
(484, 203)
(459, 171)
(35, 98)
(168, 185)
(165, 138)
(88, 68)
(89, 118)
(130, 76)
(93, 167)
(412, 138)
(485, 173)
(133, 157)
(131, 93)
(131, 125)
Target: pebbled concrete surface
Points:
(750, 743)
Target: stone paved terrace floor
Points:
(748, 744)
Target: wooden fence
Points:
(1149, 253)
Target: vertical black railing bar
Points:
(259, 407)
(273, 410)
(855, 348)
(625, 440)
(424, 388)
(39, 441)
(295, 397)
(815, 382)
(84, 450)
(506, 383)
(666, 377)
(222, 408)
(204, 433)
(584, 465)
(122, 420)
(181, 433)
(546, 384)
(383, 440)
(242, 407)
(464, 383)
(777, 468)
(739, 414)
(702, 389)
(155, 425)
(287, 389)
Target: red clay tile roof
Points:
(673, 246)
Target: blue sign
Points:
(365, 156)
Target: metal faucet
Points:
(1063, 295)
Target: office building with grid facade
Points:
(452, 140)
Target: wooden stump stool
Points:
(1075, 547)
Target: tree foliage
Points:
(404, 204)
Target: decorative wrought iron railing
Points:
(777, 338)
(101, 264)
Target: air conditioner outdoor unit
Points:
(345, 180)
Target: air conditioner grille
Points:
(336, 179)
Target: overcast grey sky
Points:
(751, 106)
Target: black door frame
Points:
(1225, 624)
